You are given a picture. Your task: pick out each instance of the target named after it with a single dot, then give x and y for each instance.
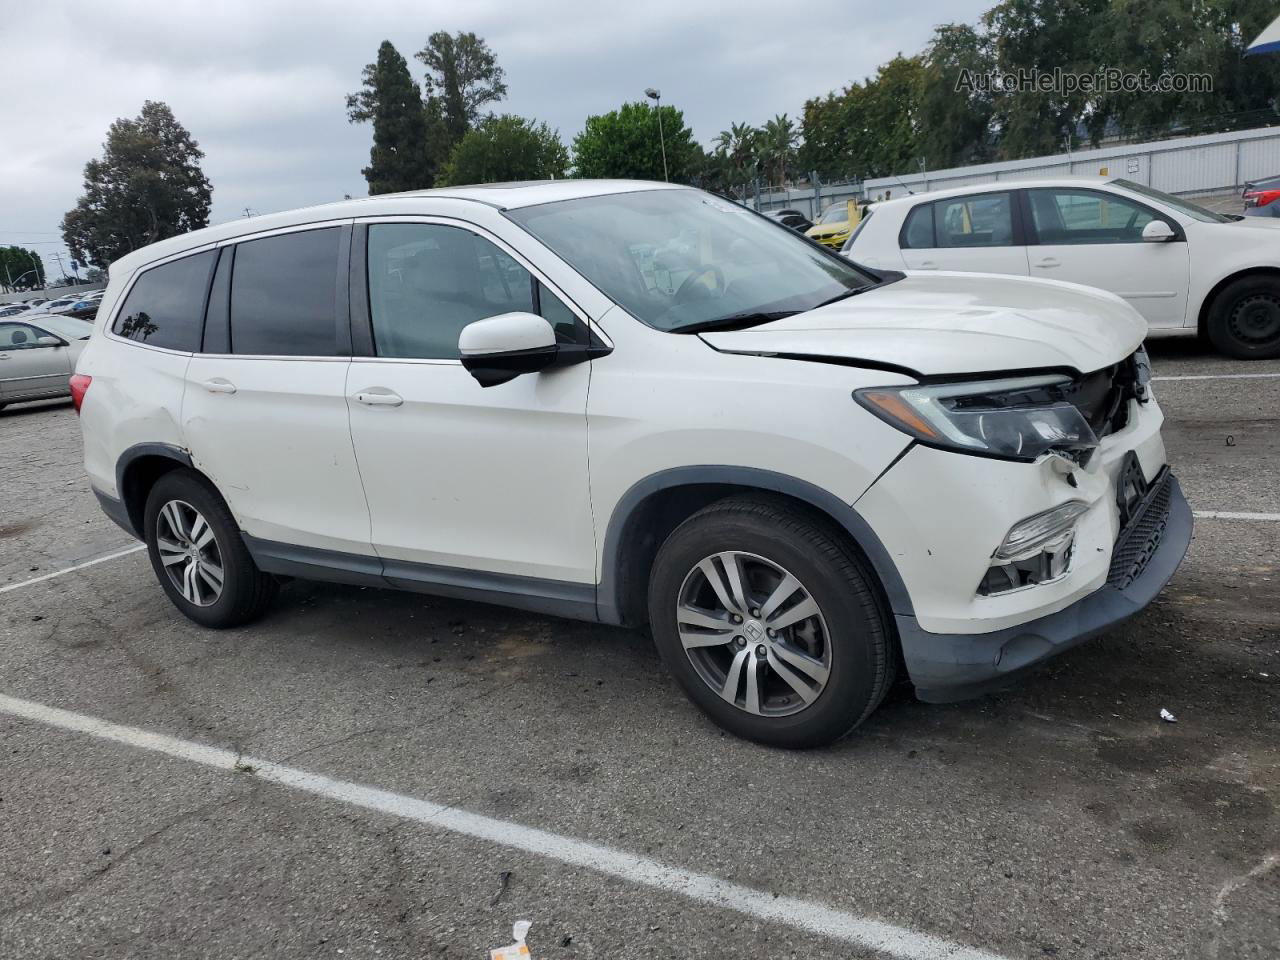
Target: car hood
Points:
(955, 323)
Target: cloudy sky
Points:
(260, 83)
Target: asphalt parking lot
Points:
(1062, 818)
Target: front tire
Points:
(198, 555)
(1244, 320)
(770, 623)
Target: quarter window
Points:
(918, 232)
(165, 306)
(427, 281)
(1086, 216)
(284, 295)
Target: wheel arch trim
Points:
(609, 593)
(131, 456)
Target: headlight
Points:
(1019, 418)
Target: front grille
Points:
(1139, 540)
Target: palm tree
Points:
(778, 141)
(738, 145)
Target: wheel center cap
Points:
(753, 630)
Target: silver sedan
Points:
(38, 355)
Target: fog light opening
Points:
(1036, 550)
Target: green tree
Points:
(147, 186)
(1041, 35)
(870, 128)
(20, 269)
(626, 143)
(954, 126)
(391, 100)
(462, 76)
(505, 148)
(778, 140)
(739, 146)
(1172, 36)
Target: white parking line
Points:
(78, 566)
(1232, 515)
(1220, 376)
(805, 915)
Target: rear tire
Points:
(1244, 319)
(198, 555)
(801, 652)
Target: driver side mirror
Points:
(498, 349)
(1157, 231)
(50, 342)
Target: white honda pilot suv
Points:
(638, 404)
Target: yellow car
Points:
(834, 226)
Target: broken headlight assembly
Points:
(1016, 418)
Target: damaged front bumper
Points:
(946, 667)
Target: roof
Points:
(501, 196)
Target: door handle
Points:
(219, 385)
(371, 399)
(4, 356)
(1048, 263)
(927, 265)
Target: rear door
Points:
(265, 412)
(29, 369)
(1095, 237)
(981, 233)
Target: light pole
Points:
(656, 95)
(61, 269)
(39, 268)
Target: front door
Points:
(458, 476)
(1095, 238)
(28, 368)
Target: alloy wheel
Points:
(189, 552)
(754, 634)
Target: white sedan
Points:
(1186, 269)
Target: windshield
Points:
(68, 328)
(682, 259)
(837, 214)
(1177, 203)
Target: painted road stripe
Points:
(1231, 515)
(78, 566)
(1220, 376)
(807, 915)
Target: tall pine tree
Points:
(390, 99)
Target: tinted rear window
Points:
(284, 293)
(165, 307)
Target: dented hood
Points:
(956, 323)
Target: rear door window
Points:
(985, 220)
(284, 295)
(165, 305)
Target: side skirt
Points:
(575, 601)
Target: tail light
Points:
(1260, 198)
(79, 387)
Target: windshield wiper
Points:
(736, 321)
(843, 296)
